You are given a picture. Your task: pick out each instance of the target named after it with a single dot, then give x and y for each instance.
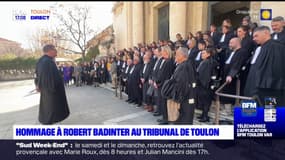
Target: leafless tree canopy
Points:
(74, 27)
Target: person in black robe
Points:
(185, 81)
(53, 103)
(277, 25)
(223, 45)
(193, 50)
(205, 92)
(145, 75)
(246, 42)
(134, 83)
(103, 72)
(266, 76)
(125, 76)
(96, 74)
(249, 45)
(215, 34)
(154, 77)
(233, 64)
(201, 47)
(165, 71)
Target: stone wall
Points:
(13, 74)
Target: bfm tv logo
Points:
(249, 108)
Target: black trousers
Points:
(186, 113)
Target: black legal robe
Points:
(216, 37)
(165, 71)
(53, 103)
(192, 53)
(125, 75)
(205, 72)
(154, 73)
(280, 36)
(221, 57)
(145, 75)
(134, 91)
(232, 69)
(185, 81)
(266, 76)
(249, 45)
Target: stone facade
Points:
(136, 22)
(105, 40)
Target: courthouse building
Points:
(136, 22)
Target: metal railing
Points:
(118, 86)
(237, 97)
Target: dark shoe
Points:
(200, 117)
(159, 120)
(205, 119)
(139, 105)
(156, 114)
(163, 123)
(128, 100)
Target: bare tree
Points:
(74, 27)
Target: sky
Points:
(22, 30)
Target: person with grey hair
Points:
(278, 27)
(134, 83)
(48, 81)
(165, 71)
(266, 76)
(181, 100)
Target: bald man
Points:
(236, 59)
(266, 76)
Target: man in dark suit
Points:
(215, 34)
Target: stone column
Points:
(138, 23)
(177, 19)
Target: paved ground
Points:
(88, 105)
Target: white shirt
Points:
(127, 69)
(230, 58)
(256, 54)
(132, 69)
(118, 63)
(144, 68)
(156, 64)
(189, 51)
(275, 36)
(161, 63)
(198, 57)
(223, 38)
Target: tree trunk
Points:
(83, 56)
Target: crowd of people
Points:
(89, 73)
(172, 79)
